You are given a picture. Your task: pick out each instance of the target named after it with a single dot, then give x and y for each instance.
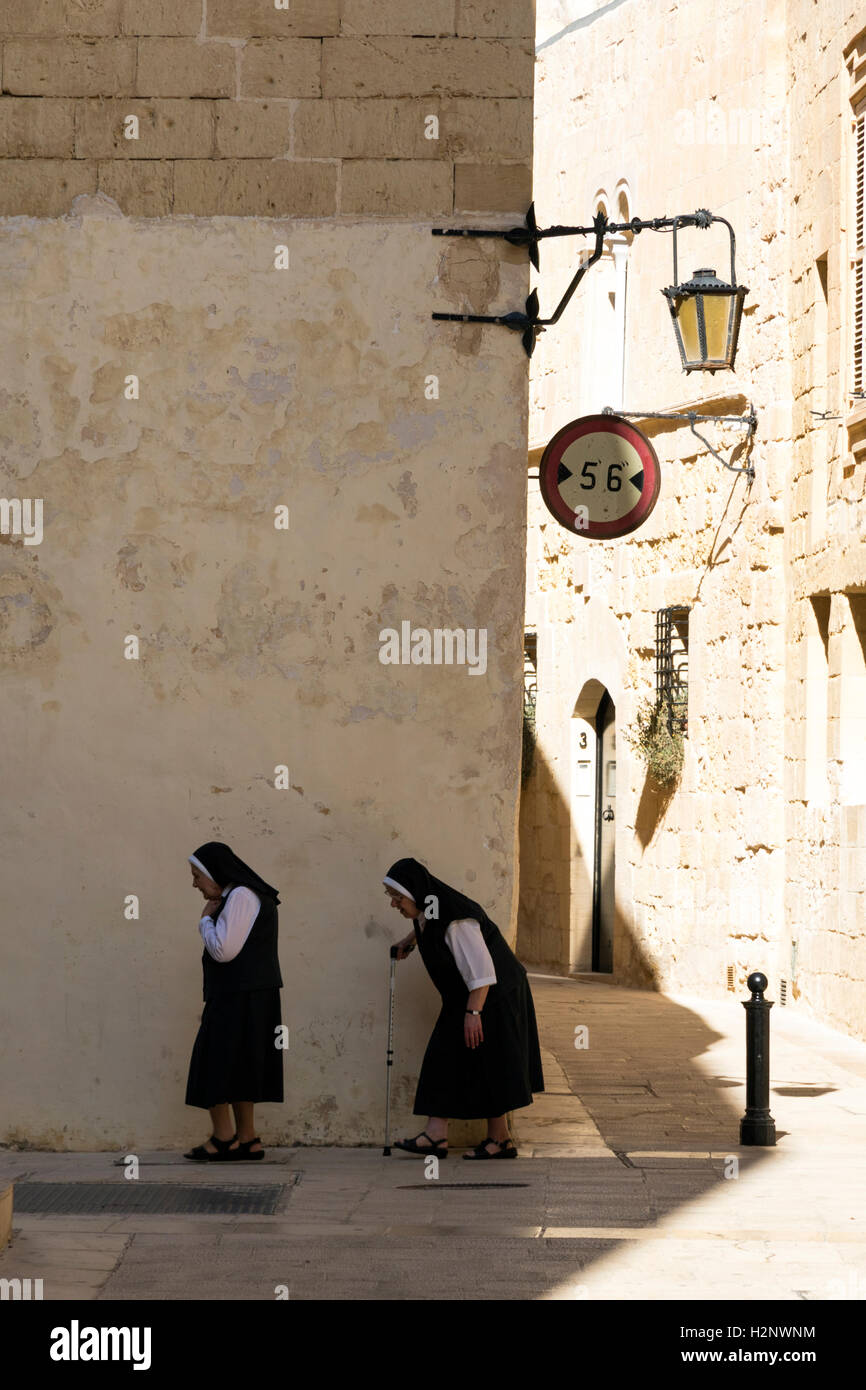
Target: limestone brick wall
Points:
(825, 554)
(660, 110)
(757, 860)
(255, 452)
(315, 109)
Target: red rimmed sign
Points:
(600, 476)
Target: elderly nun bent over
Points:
(483, 1057)
(235, 1058)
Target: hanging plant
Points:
(528, 758)
(661, 749)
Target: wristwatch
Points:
(476, 1013)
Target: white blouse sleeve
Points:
(225, 937)
(470, 954)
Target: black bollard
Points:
(757, 1125)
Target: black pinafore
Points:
(234, 1056)
(459, 1082)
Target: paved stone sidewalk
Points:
(623, 1188)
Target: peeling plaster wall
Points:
(259, 647)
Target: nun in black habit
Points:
(235, 1058)
(483, 1058)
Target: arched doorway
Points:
(604, 866)
(593, 816)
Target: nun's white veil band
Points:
(200, 865)
(392, 883)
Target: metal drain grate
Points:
(416, 1186)
(158, 1198)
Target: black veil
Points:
(416, 882)
(223, 866)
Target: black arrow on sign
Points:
(563, 474)
(637, 480)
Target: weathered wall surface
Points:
(633, 94)
(259, 387)
(825, 555)
(757, 860)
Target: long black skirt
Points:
(464, 1083)
(234, 1056)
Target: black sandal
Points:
(224, 1151)
(244, 1153)
(411, 1146)
(505, 1146)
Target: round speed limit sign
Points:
(600, 476)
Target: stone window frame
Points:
(847, 703)
(834, 699)
(815, 679)
(618, 207)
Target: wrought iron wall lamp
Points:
(706, 311)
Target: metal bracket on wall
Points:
(828, 415)
(528, 323)
(748, 422)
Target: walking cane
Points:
(390, 1056)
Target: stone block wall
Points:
(753, 862)
(658, 111)
(825, 892)
(321, 108)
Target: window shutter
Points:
(859, 218)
